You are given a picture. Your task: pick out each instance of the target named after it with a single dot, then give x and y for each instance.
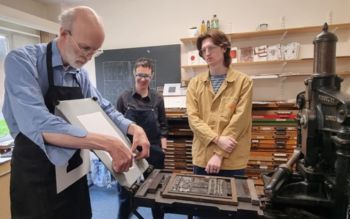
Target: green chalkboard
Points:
(114, 68)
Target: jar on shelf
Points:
(203, 28)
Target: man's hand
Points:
(214, 164)
(139, 139)
(122, 156)
(226, 143)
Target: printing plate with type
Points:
(191, 194)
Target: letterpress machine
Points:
(319, 188)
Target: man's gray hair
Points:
(66, 18)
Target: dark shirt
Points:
(140, 103)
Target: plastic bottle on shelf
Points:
(203, 28)
(208, 25)
(214, 22)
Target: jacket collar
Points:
(231, 76)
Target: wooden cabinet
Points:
(5, 189)
(178, 156)
(282, 79)
(274, 137)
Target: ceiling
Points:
(59, 1)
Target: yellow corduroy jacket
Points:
(226, 113)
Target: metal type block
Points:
(142, 191)
(155, 183)
(243, 194)
(212, 189)
(252, 191)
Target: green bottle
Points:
(214, 22)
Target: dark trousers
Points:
(226, 173)
(125, 205)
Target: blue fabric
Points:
(26, 82)
(99, 174)
(227, 173)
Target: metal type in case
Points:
(201, 188)
(210, 196)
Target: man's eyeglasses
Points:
(208, 49)
(144, 76)
(86, 50)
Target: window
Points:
(4, 48)
(12, 40)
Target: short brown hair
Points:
(219, 39)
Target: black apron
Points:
(148, 120)
(33, 177)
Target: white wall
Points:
(139, 23)
(25, 19)
(28, 6)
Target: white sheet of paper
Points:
(103, 127)
(175, 102)
(64, 179)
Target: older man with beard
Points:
(37, 77)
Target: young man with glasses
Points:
(37, 77)
(145, 107)
(219, 104)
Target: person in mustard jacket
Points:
(219, 107)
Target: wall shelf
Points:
(282, 75)
(272, 79)
(297, 61)
(275, 32)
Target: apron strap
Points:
(49, 64)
